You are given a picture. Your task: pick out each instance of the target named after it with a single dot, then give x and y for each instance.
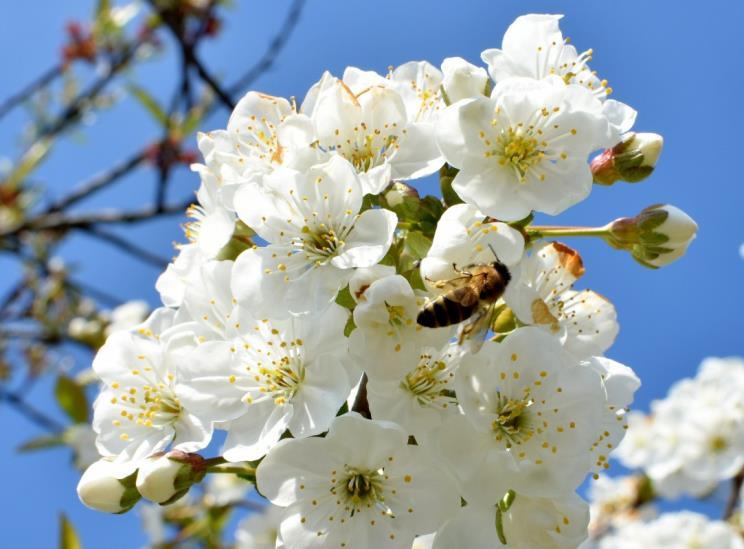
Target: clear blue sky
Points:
(677, 63)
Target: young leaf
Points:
(150, 104)
(68, 538)
(71, 398)
(41, 443)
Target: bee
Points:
(474, 291)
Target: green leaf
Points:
(150, 104)
(345, 299)
(417, 244)
(103, 9)
(71, 398)
(41, 443)
(68, 538)
(192, 121)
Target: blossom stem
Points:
(734, 496)
(243, 469)
(543, 231)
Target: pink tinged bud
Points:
(656, 237)
(166, 478)
(102, 489)
(632, 160)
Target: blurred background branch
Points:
(47, 312)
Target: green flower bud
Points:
(106, 487)
(632, 160)
(165, 478)
(656, 237)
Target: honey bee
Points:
(474, 291)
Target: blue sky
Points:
(676, 63)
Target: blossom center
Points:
(323, 242)
(361, 489)
(428, 381)
(518, 150)
(513, 421)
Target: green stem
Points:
(545, 231)
(244, 470)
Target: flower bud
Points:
(632, 160)
(462, 79)
(398, 192)
(656, 237)
(104, 486)
(166, 478)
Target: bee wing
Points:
(474, 331)
(450, 284)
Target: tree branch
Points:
(29, 412)
(98, 182)
(16, 99)
(124, 245)
(277, 44)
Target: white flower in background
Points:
(263, 376)
(682, 530)
(371, 129)
(139, 411)
(362, 486)
(544, 296)
(534, 47)
(82, 439)
(695, 436)
(525, 148)
(463, 80)
(315, 237)
(387, 338)
(532, 415)
(529, 523)
(260, 530)
(423, 393)
(126, 316)
(617, 501)
(222, 489)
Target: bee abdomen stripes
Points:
(444, 311)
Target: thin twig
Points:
(29, 412)
(59, 221)
(277, 44)
(24, 94)
(98, 182)
(124, 245)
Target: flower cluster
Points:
(376, 357)
(682, 529)
(694, 438)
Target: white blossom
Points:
(532, 413)
(684, 530)
(361, 486)
(260, 530)
(543, 295)
(139, 411)
(315, 237)
(529, 523)
(534, 47)
(525, 148)
(263, 376)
